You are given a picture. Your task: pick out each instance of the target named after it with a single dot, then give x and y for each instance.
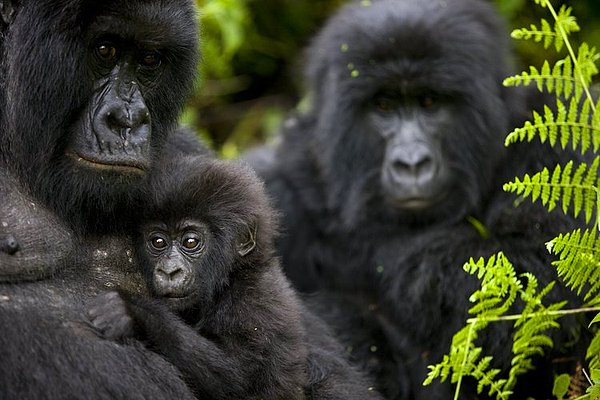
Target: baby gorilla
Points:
(226, 317)
(205, 247)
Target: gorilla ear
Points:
(247, 241)
(8, 9)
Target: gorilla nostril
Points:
(134, 120)
(178, 273)
(414, 166)
(401, 165)
(424, 165)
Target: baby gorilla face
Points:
(174, 256)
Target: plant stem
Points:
(516, 317)
(464, 362)
(564, 35)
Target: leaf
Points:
(561, 386)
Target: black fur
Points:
(386, 254)
(240, 331)
(34, 243)
(49, 79)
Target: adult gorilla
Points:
(402, 146)
(89, 92)
(34, 243)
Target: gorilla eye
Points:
(151, 59)
(427, 102)
(385, 104)
(191, 242)
(107, 52)
(158, 242)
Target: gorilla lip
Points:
(137, 168)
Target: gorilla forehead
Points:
(447, 41)
(201, 187)
(153, 20)
(144, 17)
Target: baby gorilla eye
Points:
(158, 242)
(192, 242)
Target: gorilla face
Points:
(207, 221)
(409, 109)
(93, 97)
(176, 266)
(414, 173)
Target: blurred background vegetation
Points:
(252, 57)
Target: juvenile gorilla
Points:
(206, 247)
(89, 96)
(380, 181)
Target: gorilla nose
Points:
(412, 163)
(127, 120)
(170, 275)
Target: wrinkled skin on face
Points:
(87, 108)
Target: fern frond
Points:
(575, 125)
(550, 35)
(579, 189)
(545, 33)
(499, 285)
(578, 261)
(558, 79)
(500, 288)
(529, 339)
(586, 67)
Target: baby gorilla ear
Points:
(247, 240)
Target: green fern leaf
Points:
(579, 189)
(565, 23)
(545, 33)
(574, 126)
(578, 262)
(586, 67)
(558, 79)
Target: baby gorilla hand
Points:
(109, 315)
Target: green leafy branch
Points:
(500, 289)
(579, 262)
(573, 188)
(577, 126)
(578, 188)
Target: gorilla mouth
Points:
(174, 296)
(417, 203)
(414, 203)
(120, 166)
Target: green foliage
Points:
(561, 386)
(225, 23)
(578, 262)
(574, 189)
(578, 188)
(576, 126)
(501, 289)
